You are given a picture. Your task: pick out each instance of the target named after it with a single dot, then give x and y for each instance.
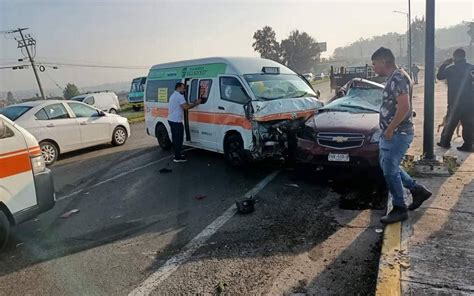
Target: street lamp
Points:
(408, 39)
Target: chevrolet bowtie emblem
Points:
(340, 139)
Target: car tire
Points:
(163, 137)
(119, 136)
(234, 151)
(113, 111)
(4, 230)
(136, 108)
(49, 151)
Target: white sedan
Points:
(64, 126)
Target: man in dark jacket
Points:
(460, 99)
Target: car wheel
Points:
(119, 136)
(49, 151)
(4, 230)
(136, 108)
(234, 152)
(163, 137)
(113, 111)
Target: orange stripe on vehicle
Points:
(13, 152)
(286, 115)
(220, 119)
(35, 151)
(14, 165)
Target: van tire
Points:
(4, 230)
(119, 136)
(234, 152)
(163, 137)
(136, 108)
(113, 111)
(49, 151)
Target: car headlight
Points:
(37, 164)
(375, 138)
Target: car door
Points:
(193, 114)
(60, 126)
(206, 115)
(94, 128)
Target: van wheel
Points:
(234, 152)
(49, 151)
(113, 111)
(119, 136)
(4, 230)
(136, 108)
(163, 137)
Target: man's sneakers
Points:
(181, 159)
(442, 145)
(419, 195)
(397, 214)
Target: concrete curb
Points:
(389, 274)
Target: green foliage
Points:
(70, 91)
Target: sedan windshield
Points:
(14, 112)
(282, 86)
(358, 100)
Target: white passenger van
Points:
(105, 101)
(250, 106)
(26, 185)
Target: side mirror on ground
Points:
(248, 109)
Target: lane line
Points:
(117, 176)
(170, 266)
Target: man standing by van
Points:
(176, 106)
(396, 122)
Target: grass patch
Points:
(137, 117)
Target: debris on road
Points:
(165, 171)
(246, 206)
(292, 185)
(70, 213)
(220, 287)
(200, 197)
(378, 230)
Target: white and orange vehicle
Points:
(249, 105)
(26, 185)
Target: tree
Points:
(418, 40)
(10, 98)
(266, 44)
(70, 91)
(300, 51)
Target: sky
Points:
(144, 33)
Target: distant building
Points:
(3, 103)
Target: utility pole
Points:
(428, 125)
(25, 42)
(400, 42)
(470, 32)
(409, 39)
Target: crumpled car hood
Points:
(285, 109)
(344, 121)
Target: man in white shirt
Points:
(176, 106)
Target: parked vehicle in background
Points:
(105, 101)
(345, 132)
(64, 126)
(249, 109)
(136, 94)
(340, 76)
(308, 76)
(26, 185)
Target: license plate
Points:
(341, 157)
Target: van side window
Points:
(193, 92)
(56, 111)
(160, 90)
(5, 131)
(89, 101)
(204, 89)
(232, 90)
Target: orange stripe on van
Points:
(13, 165)
(13, 152)
(35, 151)
(286, 115)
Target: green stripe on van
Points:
(200, 71)
(138, 94)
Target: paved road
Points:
(138, 228)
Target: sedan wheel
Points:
(49, 151)
(119, 136)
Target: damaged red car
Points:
(345, 132)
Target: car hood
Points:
(344, 121)
(285, 108)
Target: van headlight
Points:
(37, 164)
(375, 138)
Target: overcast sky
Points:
(144, 33)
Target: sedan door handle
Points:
(50, 125)
(221, 108)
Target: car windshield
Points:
(358, 100)
(14, 112)
(282, 86)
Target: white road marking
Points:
(170, 266)
(116, 177)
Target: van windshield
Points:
(282, 86)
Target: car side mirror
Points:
(100, 113)
(248, 109)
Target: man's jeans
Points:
(391, 154)
(177, 134)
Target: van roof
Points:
(235, 65)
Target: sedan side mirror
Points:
(100, 113)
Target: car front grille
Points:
(340, 141)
